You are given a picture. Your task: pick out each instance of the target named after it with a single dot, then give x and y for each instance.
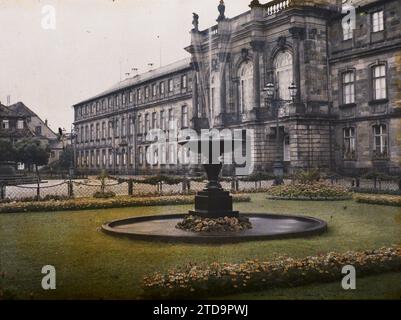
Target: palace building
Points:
(319, 82)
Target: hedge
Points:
(201, 281)
(308, 191)
(93, 203)
(379, 199)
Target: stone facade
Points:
(111, 127)
(344, 116)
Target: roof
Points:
(12, 111)
(22, 109)
(153, 74)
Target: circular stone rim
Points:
(227, 237)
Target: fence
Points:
(86, 188)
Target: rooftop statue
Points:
(222, 9)
(195, 21)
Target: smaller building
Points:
(19, 122)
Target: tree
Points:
(66, 158)
(32, 152)
(7, 151)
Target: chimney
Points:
(45, 122)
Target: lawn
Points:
(91, 264)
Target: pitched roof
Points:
(153, 74)
(10, 111)
(21, 109)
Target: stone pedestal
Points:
(213, 201)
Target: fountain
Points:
(213, 202)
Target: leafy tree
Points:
(32, 152)
(7, 151)
(66, 158)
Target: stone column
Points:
(257, 47)
(298, 35)
(195, 94)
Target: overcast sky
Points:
(50, 70)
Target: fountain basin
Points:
(265, 227)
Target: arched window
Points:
(246, 87)
(283, 72)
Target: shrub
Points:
(102, 203)
(379, 199)
(258, 176)
(307, 176)
(309, 191)
(198, 281)
(376, 191)
(104, 194)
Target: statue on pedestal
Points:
(222, 9)
(195, 22)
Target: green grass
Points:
(93, 265)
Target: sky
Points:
(53, 57)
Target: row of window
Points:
(125, 127)
(5, 124)
(145, 123)
(377, 25)
(165, 154)
(380, 142)
(131, 96)
(378, 84)
(105, 158)
(117, 127)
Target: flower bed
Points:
(93, 203)
(308, 191)
(226, 278)
(379, 199)
(226, 224)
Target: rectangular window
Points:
(92, 132)
(131, 96)
(103, 130)
(104, 158)
(347, 30)
(380, 141)
(97, 131)
(162, 88)
(123, 127)
(20, 124)
(184, 81)
(140, 155)
(349, 144)
(110, 130)
(348, 87)
(138, 95)
(184, 117)
(170, 119)
(147, 122)
(379, 82)
(146, 92)
(378, 21)
(82, 134)
(154, 90)
(6, 124)
(117, 129)
(170, 85)
(140, 124)
(154, 120)
(162, 120)
(110, 157)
